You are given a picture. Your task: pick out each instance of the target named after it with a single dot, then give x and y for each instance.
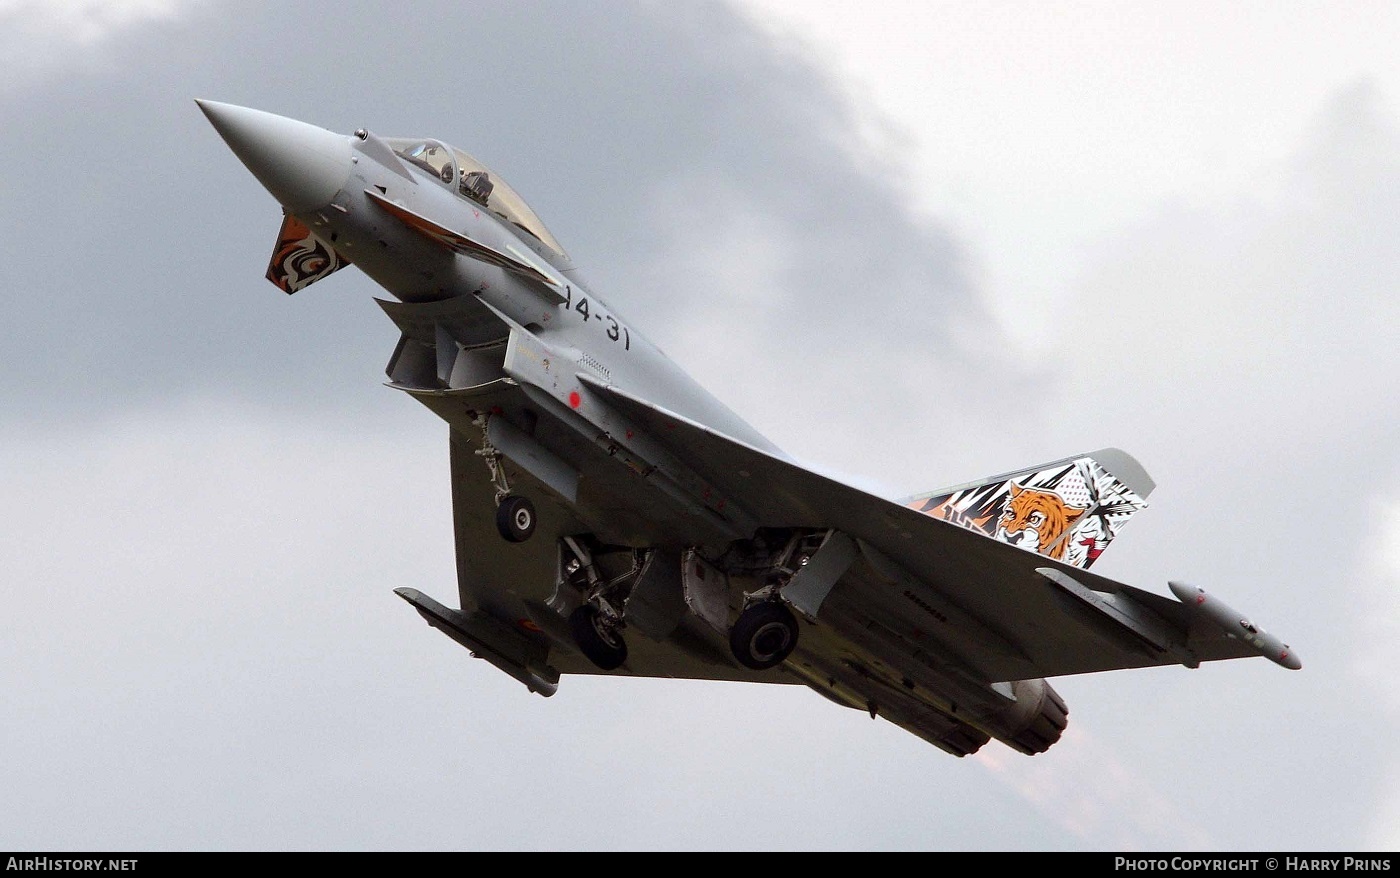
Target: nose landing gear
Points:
(515, 515)
(515, 518)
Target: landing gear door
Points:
(657, 605)
(706, 590)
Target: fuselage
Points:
(418, 270)
(497, 323)
(547, 386)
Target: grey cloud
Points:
(137, 242)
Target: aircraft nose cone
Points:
(303, 166)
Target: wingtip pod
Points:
(1236, 625)
(488, 640)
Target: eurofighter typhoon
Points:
(612, 517)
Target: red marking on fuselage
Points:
(574, 399)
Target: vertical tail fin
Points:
(1069, 509)
(300, 257)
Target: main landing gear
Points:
(600, 642)
(766, 632)
(604, 577)
(763, 635)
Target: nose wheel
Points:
(515, 515)
(515, 518)
(763, 635)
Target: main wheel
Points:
(764, 635)
(515, 518)
(600, 643)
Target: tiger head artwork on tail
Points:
(1068, 510)
(1038, 520)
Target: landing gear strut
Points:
(604, 577)
(515, 515)
(765, 633)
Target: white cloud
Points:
(1375, 665)
(1247, 341)
(1040, 127)
(1269, 323)
(1084, 787)
(37, 36)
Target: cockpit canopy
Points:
(471, 179)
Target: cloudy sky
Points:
(911, 242)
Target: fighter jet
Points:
(613, 517)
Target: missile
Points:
(1236, 625)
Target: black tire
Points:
(763, 636)
(601, 645)
(515, 518)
